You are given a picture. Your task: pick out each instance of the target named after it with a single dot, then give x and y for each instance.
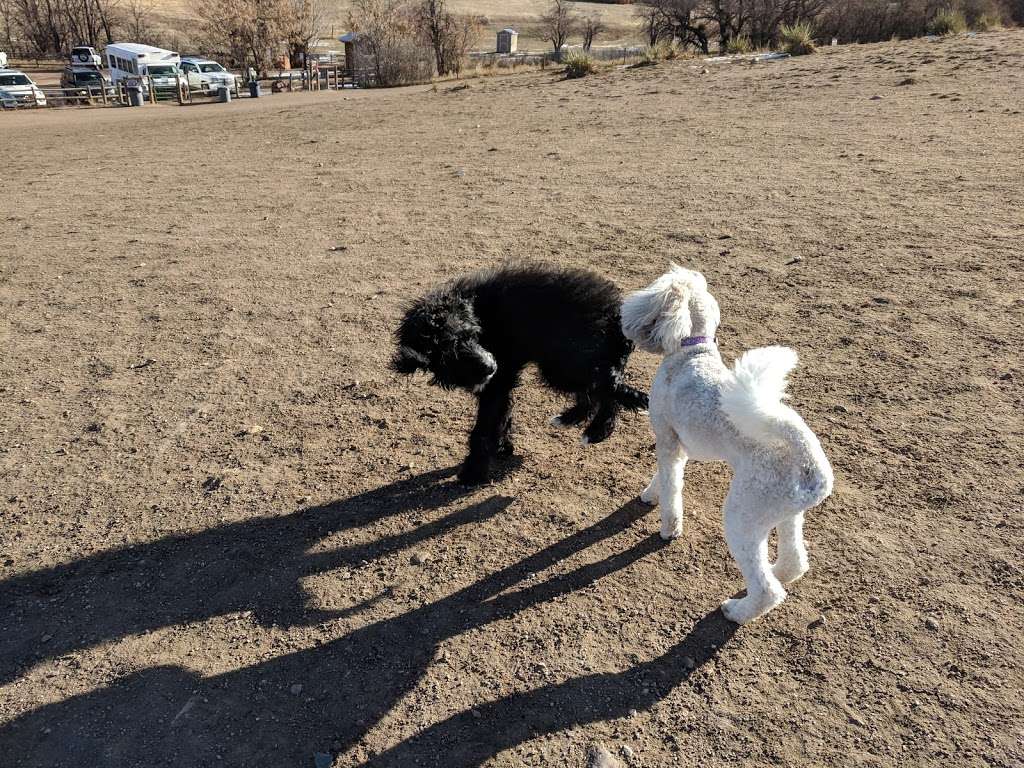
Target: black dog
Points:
(480, 331)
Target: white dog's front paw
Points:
(671, 531)
(788, 572)
(744, 609)
(651, 492)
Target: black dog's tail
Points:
(630, 399)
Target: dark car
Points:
(83, 77)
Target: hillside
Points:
(521, 15)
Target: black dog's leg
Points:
(505, 446)
(493, 416)
(577, 414)
(603, 423)
(611, 394)
(630, 398)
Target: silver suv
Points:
(205, 74)
(18, 90)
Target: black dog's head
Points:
(441, 334)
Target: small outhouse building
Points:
(508, 40)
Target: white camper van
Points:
(155, 67)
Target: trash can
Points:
(224, 94)
(254, 89)
(135, 95)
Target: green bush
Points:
(948, 21)
(578, 64)
(739, 44)
(797, 39)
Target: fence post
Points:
(103, 91)
(152, 91)
(177, 87)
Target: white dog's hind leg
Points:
(748, 543)
(792, 561)
(671, 466)
(649, 495)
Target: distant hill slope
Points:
(522, 15)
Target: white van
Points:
(154, 66)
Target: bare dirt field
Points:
(231, 536)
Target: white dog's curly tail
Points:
(752, 399)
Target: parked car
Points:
(3, 60)
(18, 90)
(83, 77)
(205, 73)
(84, 55)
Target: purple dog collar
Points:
(692, 341)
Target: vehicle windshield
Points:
(87, 77)
(211, 67)
(162, 70)
(80, 50)
(18, 79)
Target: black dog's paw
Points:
(597, 432)
(473, 473)
(506, 449)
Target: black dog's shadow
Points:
(255, 565)
(248, 716)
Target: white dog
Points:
(702, 410)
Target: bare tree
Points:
(730, 18)
(449, 35)
(7, 23)
(52, 27)
(649, 23)
(591, 27)
(558, 24)
(138, 21)
(389, 32)
(678, 20)
(246, 31)
(304, 23)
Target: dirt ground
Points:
(231, 536)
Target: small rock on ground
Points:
(599, 757)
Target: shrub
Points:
(797, 39)
(740, 44)
(948, 21)
(986, 14)
(578, 64)
(652, 54)
(659, 51)
(987, 21)
(672, 51)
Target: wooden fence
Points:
(314, 78)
